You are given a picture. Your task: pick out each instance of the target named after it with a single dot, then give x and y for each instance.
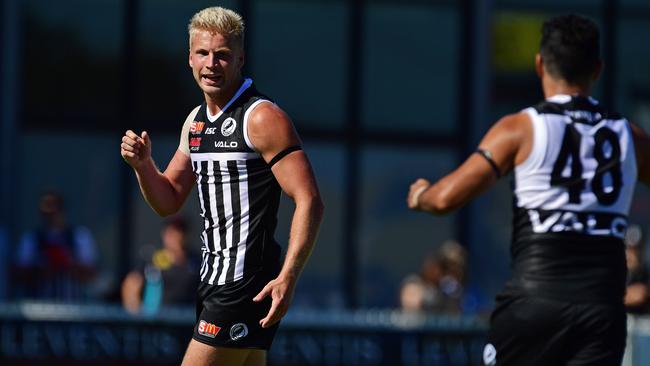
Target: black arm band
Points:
(488, 156)
(284, 153)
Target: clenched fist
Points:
(136, 150)
(417, 188)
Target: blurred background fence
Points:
(33, 333)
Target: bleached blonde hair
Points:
(218, 20)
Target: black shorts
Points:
(227, 316)
(527, 330)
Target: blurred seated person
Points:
(452, 283)
(170, 277)
(637, 294)
(438, 287)
(56, 261)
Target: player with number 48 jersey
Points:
(574, 168)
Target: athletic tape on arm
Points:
(488, 156)
(284, 153)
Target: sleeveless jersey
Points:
(238, 193)
(572, 198)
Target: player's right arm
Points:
(508, 142)
(164, 191)
(642, 150)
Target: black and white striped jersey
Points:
(238, 193)
(572, 198)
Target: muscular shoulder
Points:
(514, 123)
(185, 130)
(511, 129)
(269, 126)
(267, 115)
(190, 117)
(509, 140)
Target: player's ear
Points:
(539, 65)
(190, 58)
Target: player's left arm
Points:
(272, 133)
(506, 144)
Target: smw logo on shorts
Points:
(208, 329)
(489, 355)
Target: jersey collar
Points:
(566, 98)
(245, 85)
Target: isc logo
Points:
(210, 130)
(208, 329)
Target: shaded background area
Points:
(382, 92)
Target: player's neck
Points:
(216, 102)
(557, 86)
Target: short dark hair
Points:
(570, 47)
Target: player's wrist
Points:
(144, 166)
(288, 276)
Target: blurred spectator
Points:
(170, 277)
(438, 287)
(637, 294)
(56, 261)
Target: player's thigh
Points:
(600, 336)
(527, 331)
(257, 357)
(199, 354)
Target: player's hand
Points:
(637, 295)
(417, 188)
(136, 150)
(281, 292)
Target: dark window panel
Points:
(299, 58)
(71, 69)
(410, 65)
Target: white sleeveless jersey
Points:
(581, 171)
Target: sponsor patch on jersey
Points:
(195, 143)
(238, 331)
(586, 223)
(208, 329)
(210, 130)
(228, 126)
(196, 127)
(226, 144)
(489, 355)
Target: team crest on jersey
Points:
(228, 126)
(196, 127)
(238, 331)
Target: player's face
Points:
(216, 63)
